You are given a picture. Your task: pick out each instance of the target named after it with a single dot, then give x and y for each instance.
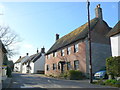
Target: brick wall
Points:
(80, 55)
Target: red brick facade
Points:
(80, 56)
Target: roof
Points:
(20, 59)
(78, 34)
(37, 56)
(115, 30)
(30, 58)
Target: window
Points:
(48, 68)
(68, 66)
(49, 56)
(76, 48)
(68, 50)
(62, 53)
(58, 65)
(54, 66)
(76, 64)
(54, 54)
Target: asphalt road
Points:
(40, 81)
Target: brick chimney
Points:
(27, 54)
(98, 12)
(43, 50)
(57, 37)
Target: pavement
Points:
(6, 83)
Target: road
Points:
(40, 81)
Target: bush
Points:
(76, 75)
(113, 66)
(110, 82)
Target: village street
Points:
(40, 81)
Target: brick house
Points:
(114, 35)
(70, 52)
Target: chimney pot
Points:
(37, 50)
(27, 54)
(57, 37)
(43, 50)
(20, 57)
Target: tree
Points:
(9, 38)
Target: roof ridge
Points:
(78, 33)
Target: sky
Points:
(37, 23)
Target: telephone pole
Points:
(89, 42)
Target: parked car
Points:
(101, 75)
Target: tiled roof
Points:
(115, 30)
(78, 34)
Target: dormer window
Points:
(76, 48)
(62, 53)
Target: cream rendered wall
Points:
(115, 45)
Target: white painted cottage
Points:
(36, 62)
(19, 64)
(114, 35)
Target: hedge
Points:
(113, 66)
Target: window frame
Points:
(54, 66)
(68, 65)
(76, 48)
(47, 67)
(76, 65)
(68, 50)
(62, 52)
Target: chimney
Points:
(43, 50)
(57, 37)
(19, 57)
(27, 54)
(98, 12)
(37, 50)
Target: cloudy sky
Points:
(38, 22)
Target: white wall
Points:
(39, 64)
(32, 67)
(18, 65)
(24, 68)
(115, 45)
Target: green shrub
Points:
(110, 82)
(113, 66)
(76, 75)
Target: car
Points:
(101, 75)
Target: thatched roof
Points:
(20, 59)
(78, 34)
(115, 30)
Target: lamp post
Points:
(89, 42)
